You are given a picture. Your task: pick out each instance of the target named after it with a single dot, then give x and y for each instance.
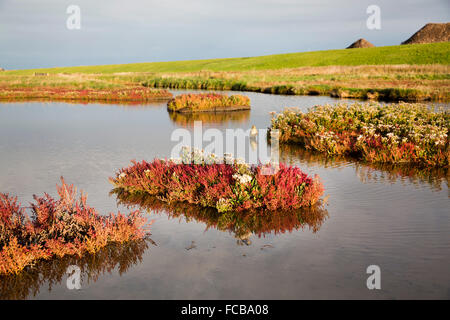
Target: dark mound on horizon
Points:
(431, 32)
(361, 43)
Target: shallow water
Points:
(396, 218)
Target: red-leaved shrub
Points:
(67, 226)
(226, 187)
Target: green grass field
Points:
(416, 54)
(419, 72)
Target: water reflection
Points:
(369, 222)
(215, 118)
(368, 172)
(242, 225)
(50, 273)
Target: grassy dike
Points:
(407, 72)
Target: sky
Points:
(34, 33)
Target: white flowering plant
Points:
(394, 133)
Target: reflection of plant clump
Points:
(135, 94)
(28, 283)
(241, 224)
(188, 119)
(208, 102)
(67, 226)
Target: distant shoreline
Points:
(428, 53)
(412, 73)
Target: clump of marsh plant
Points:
(223, 183)
(208, 101)
(59, 227)
(401, 133)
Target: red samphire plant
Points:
(67, 226)
(208, 102)
(226, 187)
(107, 95)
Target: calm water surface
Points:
(396, 218)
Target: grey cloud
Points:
(33, 33)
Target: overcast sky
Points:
(34, 33)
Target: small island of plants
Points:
(225, 184)
(209, 102)
(58, 228)
(404, 133)
(111, 95)
(52, 273)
